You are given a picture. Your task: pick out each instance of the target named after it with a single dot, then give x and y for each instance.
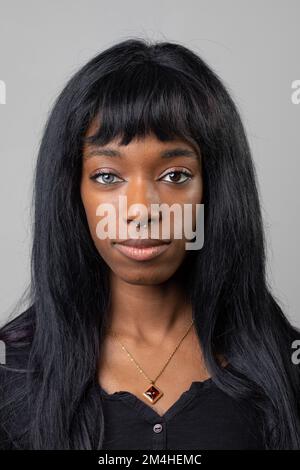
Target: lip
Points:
(140, 252)
(143, 242)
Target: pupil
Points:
(175, 173)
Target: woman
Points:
(186, 349)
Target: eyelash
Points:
(101, 173)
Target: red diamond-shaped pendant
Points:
(153, 393)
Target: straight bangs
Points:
(148, 98)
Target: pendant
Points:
(153, 393)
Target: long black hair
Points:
(136, 87)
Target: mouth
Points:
(142, 249)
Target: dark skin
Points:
(148, 309)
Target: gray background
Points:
(254, 47)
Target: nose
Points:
(142, 193)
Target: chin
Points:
(144, 279)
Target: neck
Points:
(147, 313)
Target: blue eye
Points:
(181, 173)
(101, 174)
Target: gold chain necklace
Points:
(153, 393)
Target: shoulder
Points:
(24, 320)
(15, 340)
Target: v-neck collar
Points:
(145, 410)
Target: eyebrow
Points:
(171, 153)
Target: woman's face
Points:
(143, 176)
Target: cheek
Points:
(196, 198)
(90, 203)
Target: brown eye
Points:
(176, 175)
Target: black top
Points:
(203, 417)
